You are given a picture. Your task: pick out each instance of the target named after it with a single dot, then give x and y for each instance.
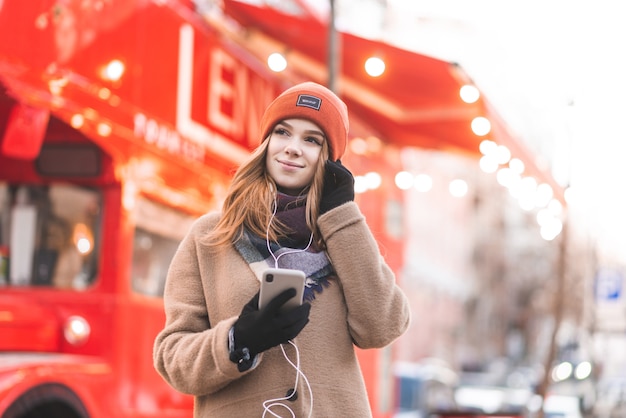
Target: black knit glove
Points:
(338, 186)
(258, 330)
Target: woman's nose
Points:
(293, 147)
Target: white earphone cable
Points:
(278, 402)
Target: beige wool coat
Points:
(206, 290)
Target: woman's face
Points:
(293, 150)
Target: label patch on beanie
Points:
(307, 100)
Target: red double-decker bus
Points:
(120, 123)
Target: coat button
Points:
(292, 395)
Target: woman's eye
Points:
(280, 131)
(314, 139)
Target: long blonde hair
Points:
(250, 201)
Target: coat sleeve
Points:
(189, 353)
(378, 310)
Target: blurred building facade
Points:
(483, 283)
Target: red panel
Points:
(27, 326)
(25, 131)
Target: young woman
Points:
(291, 205)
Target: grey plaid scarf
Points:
(315, 264)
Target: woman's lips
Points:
(289, 164)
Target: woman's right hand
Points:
(258, 330)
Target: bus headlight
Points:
(76, 330)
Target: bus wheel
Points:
(51, 400)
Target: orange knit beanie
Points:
(316, 103)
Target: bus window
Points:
(158, 232)
(48, 235)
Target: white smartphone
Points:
(275, 281)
